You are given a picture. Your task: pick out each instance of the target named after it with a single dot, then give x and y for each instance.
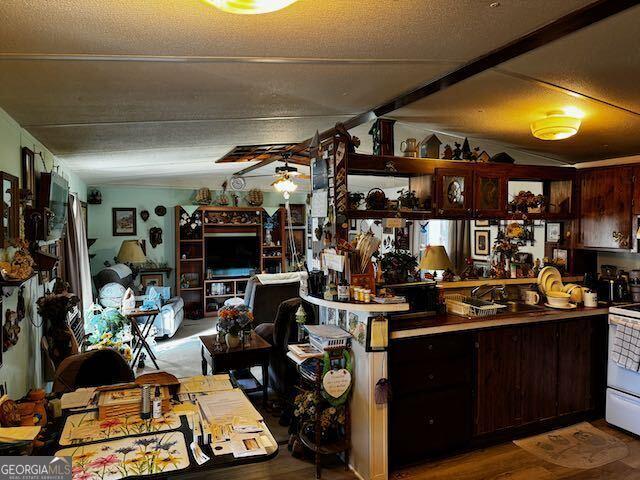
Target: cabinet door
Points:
(575, 362)
(489, 195)
(498, 379)
(428, 424)
(454, 191)
(605, 208)
(539, 371)
(636, 190)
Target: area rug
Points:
(578, 446)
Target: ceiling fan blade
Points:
(263, 163)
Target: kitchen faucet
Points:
(498, 292)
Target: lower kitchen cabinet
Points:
(456, 390)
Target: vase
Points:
(233, 341)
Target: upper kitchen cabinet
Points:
(489, 194)
(454, 192)
(636, 191)
(606, 196)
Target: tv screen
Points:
(232, 255)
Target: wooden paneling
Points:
(539, 371)
(498, 379)
(605, 206)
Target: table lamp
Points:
(131, 253)
(435, 258)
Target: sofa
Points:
(171, 312)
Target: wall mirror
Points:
(9, 209)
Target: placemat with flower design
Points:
(137, 456)
(85, 427)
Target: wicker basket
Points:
(457, 305)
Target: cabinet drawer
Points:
(428, 424)
(426, 349)
(436, 374)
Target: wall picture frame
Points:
(9, 209)
(28, 175)
(151, 280)
(482, 223)
(124, 222)
(553, 232)
(482, 243)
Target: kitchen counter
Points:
(501, 281)
(443, 323)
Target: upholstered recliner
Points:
(265, 293)
(171, 313)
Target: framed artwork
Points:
(124, 222)
(482, 243)
(554, 232)
(482, 223)
(28, 174)
(561, 254)
(151, 280)
(9, 209)
(297, 214)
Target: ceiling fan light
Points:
(285, 186)
(250, 7)
(556, 126)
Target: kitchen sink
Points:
(519, 307)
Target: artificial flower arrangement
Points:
(525, 202)
(398, 266)
(331, 419)
(233, 321)
(17, 263)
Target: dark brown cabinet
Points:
(539, 372)
(457, 390)
(489, 194)
(606, 196)
(498, 379)
(431, 408)
(454, 187)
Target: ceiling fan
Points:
(284, 178)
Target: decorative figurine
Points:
(144, 215)
(466, 150)
(457, 152)
(448, 153)
(430, 147)
(155, 236)
(475, 154)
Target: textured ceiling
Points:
(595, 70)
(126, 91)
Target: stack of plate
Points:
(549, 280)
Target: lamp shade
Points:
(435, 258)
(131, 252)
(557, 125)
(250, 7)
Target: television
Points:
(54, 200)
(232, 254)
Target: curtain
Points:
(77, 270)
(459, 248)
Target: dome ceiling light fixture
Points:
(558, 124)
(250, 7)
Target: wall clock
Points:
(238, 183)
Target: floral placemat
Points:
(136, 456)
(85, 427)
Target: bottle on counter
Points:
(157, 403)
(343, 289)
(145, 412)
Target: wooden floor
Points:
(506, 461)
(502, 462)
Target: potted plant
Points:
(527, 202)
(233, 321)
(398, 266)
(408, 200)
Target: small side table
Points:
(140, 334)
(224, 359)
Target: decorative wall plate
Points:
(238, 183)
(161, 210)
(144, 214)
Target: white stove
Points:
(623, 386)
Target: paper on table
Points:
(202, 383)
(80, 398)
(222, 407)
(17, 434)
